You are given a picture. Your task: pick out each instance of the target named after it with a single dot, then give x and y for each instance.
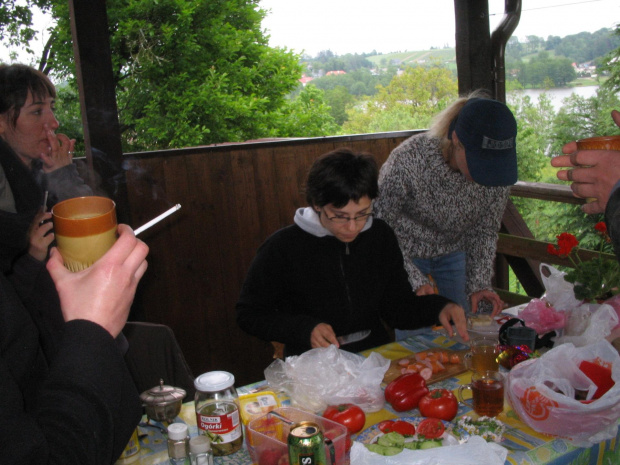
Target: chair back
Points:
(155, 354)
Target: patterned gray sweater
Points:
(434, 210)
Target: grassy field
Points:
(447, 56)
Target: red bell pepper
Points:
(600, 375)
(405, 392)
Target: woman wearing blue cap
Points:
(444, 193)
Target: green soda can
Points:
(305, 444)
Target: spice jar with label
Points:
(217, 411)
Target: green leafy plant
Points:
(594, 279)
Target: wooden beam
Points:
(511, 298)
(91, 47)
(473, 46)
(545, 191)
(537, 250)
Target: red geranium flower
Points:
(601, 227)
(566, 243)
(595, 278)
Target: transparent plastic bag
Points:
(542, 392)
(476, 451)
(329, 376)
(588, 324)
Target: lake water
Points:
(557, 95)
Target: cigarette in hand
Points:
(157, 219)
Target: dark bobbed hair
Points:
(341, 176)
(16, 81)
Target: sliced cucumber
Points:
(384, 450)
(430, 444)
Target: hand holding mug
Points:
(104, 292)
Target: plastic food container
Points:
(267, 436)
(257, 404)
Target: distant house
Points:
(335, 73)
(587, 69)
(305, 79)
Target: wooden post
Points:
(473, 45)
(91, 45)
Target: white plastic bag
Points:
(558, 291)
(476, 451)
(599, 321)
(329, 376)
(533, 386)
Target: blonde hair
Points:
(440, 125)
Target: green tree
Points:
(307, 115)
(582, 117)
(16, 28)
(409, 101)
(187, 72)
(339, 99)
(612, 66)
(544, 71)
(534, 127)
(358, 82)
(578, 117)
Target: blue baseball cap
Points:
(488, 131)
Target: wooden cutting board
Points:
(452, 369)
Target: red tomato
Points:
(439, 403)
(431, 428)
(349, 415)
(397, 426)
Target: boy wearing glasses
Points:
(337, 270)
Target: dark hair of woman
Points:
(15, 82)
(340, 176)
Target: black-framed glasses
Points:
(345, 219)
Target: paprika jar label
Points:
(220, 421)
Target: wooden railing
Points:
(233, 197)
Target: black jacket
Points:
(298, 280)
(76, 404)
(612, 218)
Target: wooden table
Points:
(526, 446)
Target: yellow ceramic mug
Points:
(85, 229)
(599, 143)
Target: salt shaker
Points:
(178, 444)
(200, 452)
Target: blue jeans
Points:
(450, 274)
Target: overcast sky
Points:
(361, 26)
